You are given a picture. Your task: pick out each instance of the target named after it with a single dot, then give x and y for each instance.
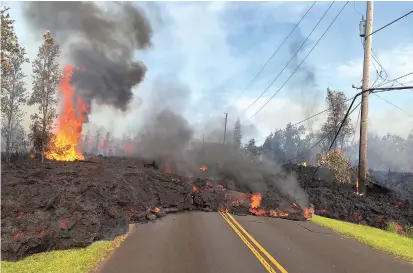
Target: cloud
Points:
(397, 61)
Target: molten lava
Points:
(67, 136)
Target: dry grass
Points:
(399, 246)
(81, 260)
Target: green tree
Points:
(336, 101)
(252, 150)
(46, 77)
(237, 134)
(13, 89)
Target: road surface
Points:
(202, 242)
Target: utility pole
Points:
(225, 129)
(362, 175)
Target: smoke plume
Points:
(102, 38)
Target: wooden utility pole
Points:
(225, 129)
(362, 175)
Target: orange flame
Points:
(32, 156)
(128, 147)
(156, 210)
(255, 200)
(70, 123)
(308, 213)
(203, 168)
(194, 188)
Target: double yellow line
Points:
(240, 231)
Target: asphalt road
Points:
(199, 242)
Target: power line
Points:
(410, 12)
(304, 120)
(300, 63)
(272, 56)
(396, 79)
(328, 134)
(394, 105)
(292, 58)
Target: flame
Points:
(255, 200)
(156, 210)
(32, 156)
(128, 147)
(203, 168)
(70, 123)
(308, 213)
(194, 188)
(273, 213)
(294, 204)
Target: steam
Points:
(102, 38)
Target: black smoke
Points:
(100, 37)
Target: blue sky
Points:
(214, 49)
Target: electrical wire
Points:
(394, 21)
(328, 134)
(394, 105)
(396, 79)
(299, 64)
(272, 56)
(292, 58)
(304, 120)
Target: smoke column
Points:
(100, 37)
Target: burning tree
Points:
(46, 76)
(13, 90)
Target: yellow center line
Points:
(271, 258)
(251, 247)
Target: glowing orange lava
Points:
(70, 124)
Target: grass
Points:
(81, 260)
(388, 241)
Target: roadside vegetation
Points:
(79, 260)
(388, 241)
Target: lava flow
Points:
(69, 131)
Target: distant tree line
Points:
(295, 144)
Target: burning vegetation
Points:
(64, 145)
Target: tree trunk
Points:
(42, 156)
